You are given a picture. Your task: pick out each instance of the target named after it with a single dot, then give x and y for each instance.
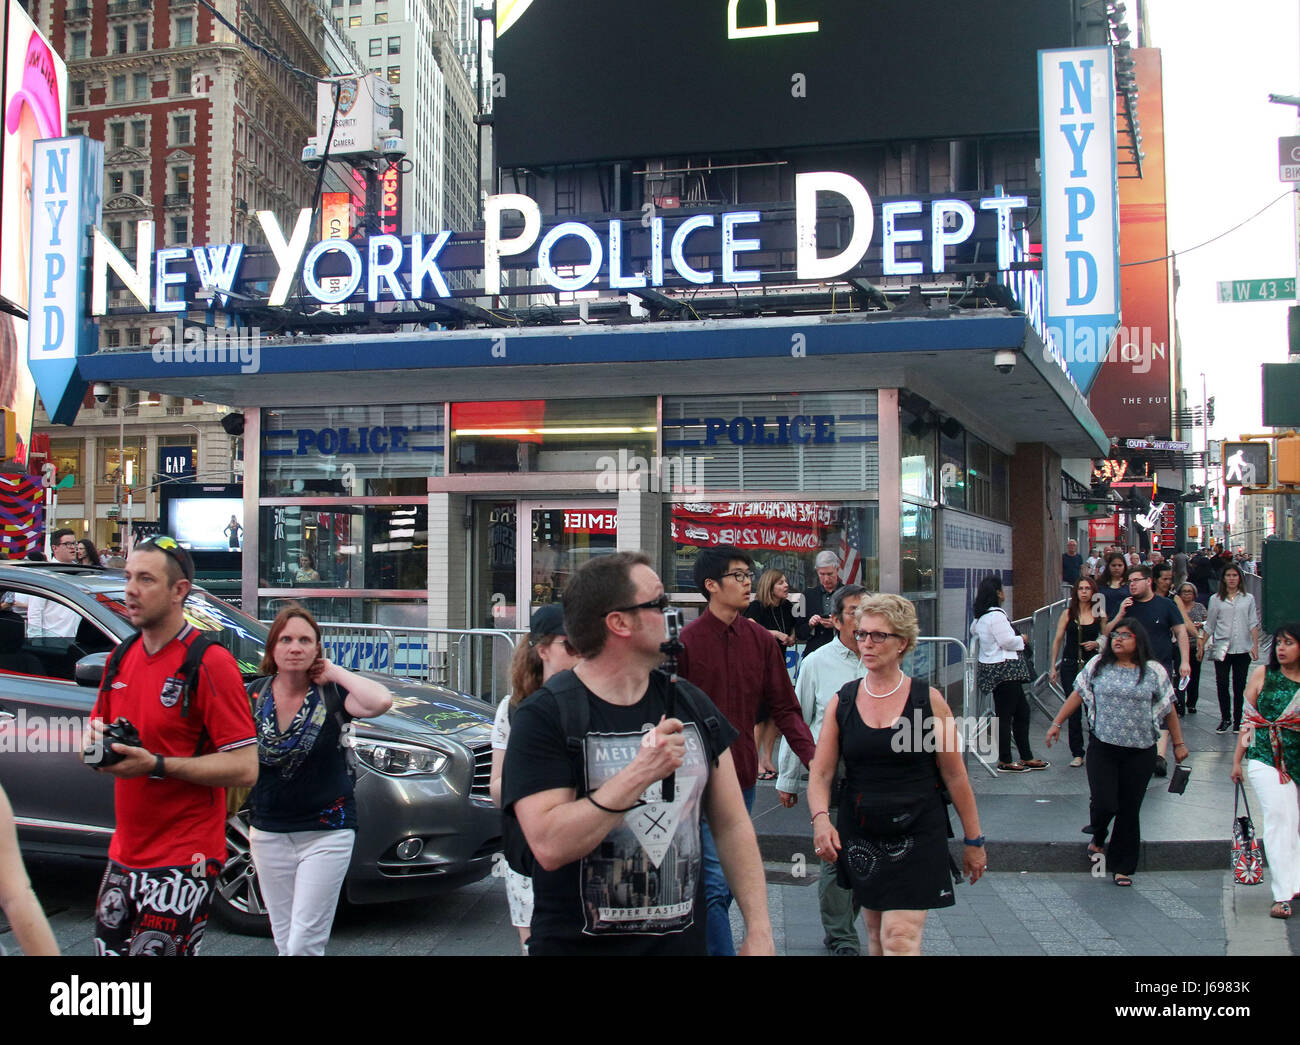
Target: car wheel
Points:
(237, 901)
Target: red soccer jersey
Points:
(170, 823)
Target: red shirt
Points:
(740, 665)
(171, 823)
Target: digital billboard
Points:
(34, 95)
(713, 76)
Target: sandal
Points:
(1122, 879)
(1035, 763)
(1096, 850)
(1011, 767)
(768, 775)
(1281, 909)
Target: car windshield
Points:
(234, 629)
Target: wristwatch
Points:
(159, 768)
(975, 842)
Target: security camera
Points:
(101, 392)
(1005, 361)
(393, 149)
(311, 158)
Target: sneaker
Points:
(1222, 727)
(1076, 761)
(1191, 710)
(1011, 767)
(1236, 727)
(1162, 767)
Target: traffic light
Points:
(1288, 461)
(8, 434)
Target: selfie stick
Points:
(671, 649)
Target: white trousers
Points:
(301, 873)
(1281, 827)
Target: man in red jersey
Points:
(169, 796)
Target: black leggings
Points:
(1069, 672)
(1118, 778)
(1192, 693)
(1239, 665)
(1012, 708)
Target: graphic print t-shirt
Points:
(640, 890)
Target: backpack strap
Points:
(575, 716)
(113, 665)
(189, 669)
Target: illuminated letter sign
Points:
(769, 28)
(1076, 89)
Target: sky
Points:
(1221, 62)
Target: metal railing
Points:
(470, 660)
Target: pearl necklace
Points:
(881, 696)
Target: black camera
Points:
(672, 625)
(119, 731)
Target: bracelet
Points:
(820, 812)
(619, 812)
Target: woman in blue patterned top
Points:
(1127, 697)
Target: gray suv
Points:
(425, 820)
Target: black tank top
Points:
(1075, 635)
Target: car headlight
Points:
(394, 759)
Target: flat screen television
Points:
(208, 520)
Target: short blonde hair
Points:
(900, 613)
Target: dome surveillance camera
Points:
(101, 392)
(311, 158)
(1005, 361)
(393, 149)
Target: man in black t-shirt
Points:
(1164, 626)
(619, 869)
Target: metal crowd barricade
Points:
(470, 660)
(946, 664)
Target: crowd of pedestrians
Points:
(627, 755)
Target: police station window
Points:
(119, 87)
(77, 44)
(139, 133)
(918, 434)
(183, 79)
(180, 130)
(140, 86)
(184, 32)
(119, 39)
(394, 74)
(77, 90)
(137, 183)
(394, 45)
(376, 47)
(142, 36)
(117, 135)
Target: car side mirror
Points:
(90, 670)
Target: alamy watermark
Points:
(680, 474)
(24, 734)
(242, 345)
(1080, 343)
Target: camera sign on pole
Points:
(1245, 464)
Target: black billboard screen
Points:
(587, 80)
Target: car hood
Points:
(423, 710)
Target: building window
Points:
(394, 45)
(184, 78)
(381, 18)
(137, 183)
(117, 135)
(115, 183)
(112, 338)
(354, 21)
(376, 47)
(78, 93)
(394, 74)
(142, 36)
(180, 234)
(184, 35)
(181, 130)
(114, 232)
(139, 132)
(181, 180)
(119, 87)
(77, 44)
(133, 337)
(119, 39)
(140, 86)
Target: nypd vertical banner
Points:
(1076, 100)
(66, 199)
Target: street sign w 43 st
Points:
(1238, 290)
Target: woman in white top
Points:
(1001, 672)
(1232, 634)
(546, 652)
